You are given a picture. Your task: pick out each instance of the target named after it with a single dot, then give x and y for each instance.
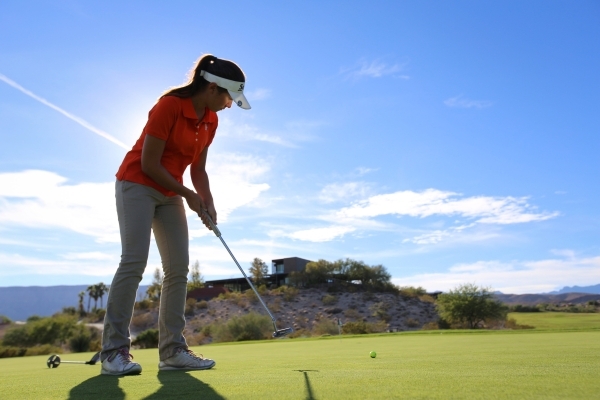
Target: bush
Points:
(202, 304)
(144, 304)
(52, 330)
(80, 343)
(380, 310)
(4, 320)
(326, 327)
(412, 323)
(143, 321)
(329, 299)
(251, 326)
(411, 291)
(352, 314)
(11, 351)
(521, 308)
(190, 306)
(147, 339)
(42, 350)
(430, 326)
(361, 327)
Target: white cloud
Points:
(462, 102)
(490, 210)
(245, 131)
(469, 211)
(343, 191)
(320, 234)
(43, 199)
(91, 255)
(516, 277)
(437, 235)
(373, 69)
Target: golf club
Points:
(54, 361)
(217, 232)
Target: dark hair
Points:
(209, 63)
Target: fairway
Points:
(433, 364)
(558, 320)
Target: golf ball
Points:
(373, 354)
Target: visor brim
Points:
(240, 99)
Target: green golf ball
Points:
(373, 354)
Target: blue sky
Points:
(451, 142)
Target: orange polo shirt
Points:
(174, 120)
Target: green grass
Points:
(431, 364)
(558, 320)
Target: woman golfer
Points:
(149, 197)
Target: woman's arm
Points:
(202, 185)
(152, 152)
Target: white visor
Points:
(235, 89)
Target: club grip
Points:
(214, 228)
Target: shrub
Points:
(326, 327)
(521, 308)
(329, 299)
(69, 310)
(143, 321)
(380, 310)
(4, 320)
(290, 293)
(352, 314)
(251, 326)
(411, 291)
(431, 326)
(202, 304)
(147, 339)
(52, 330)
(144, 304)
(361, 327)
(412, 323)
(427, 298)
(190, 306)
(42, 350)
(80, 343)
(11, 351)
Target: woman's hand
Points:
(210, 210)
(195, 202)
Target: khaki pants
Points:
(142, 209)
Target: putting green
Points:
(432, 365)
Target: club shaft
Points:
(73, 362)
(249, 281)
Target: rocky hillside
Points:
(304, 309)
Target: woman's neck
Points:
(199, 105)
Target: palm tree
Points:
(81, 296)
(101, 289)
(90, 289)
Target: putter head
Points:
(282, 332)
(94, 359)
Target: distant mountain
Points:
(533, 299)
(595, 289)
(20, 302)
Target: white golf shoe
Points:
(119, 363)
(185, 359)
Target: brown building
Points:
(280, 270)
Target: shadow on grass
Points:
(98, 387)
(182, 385)
(309, 391)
